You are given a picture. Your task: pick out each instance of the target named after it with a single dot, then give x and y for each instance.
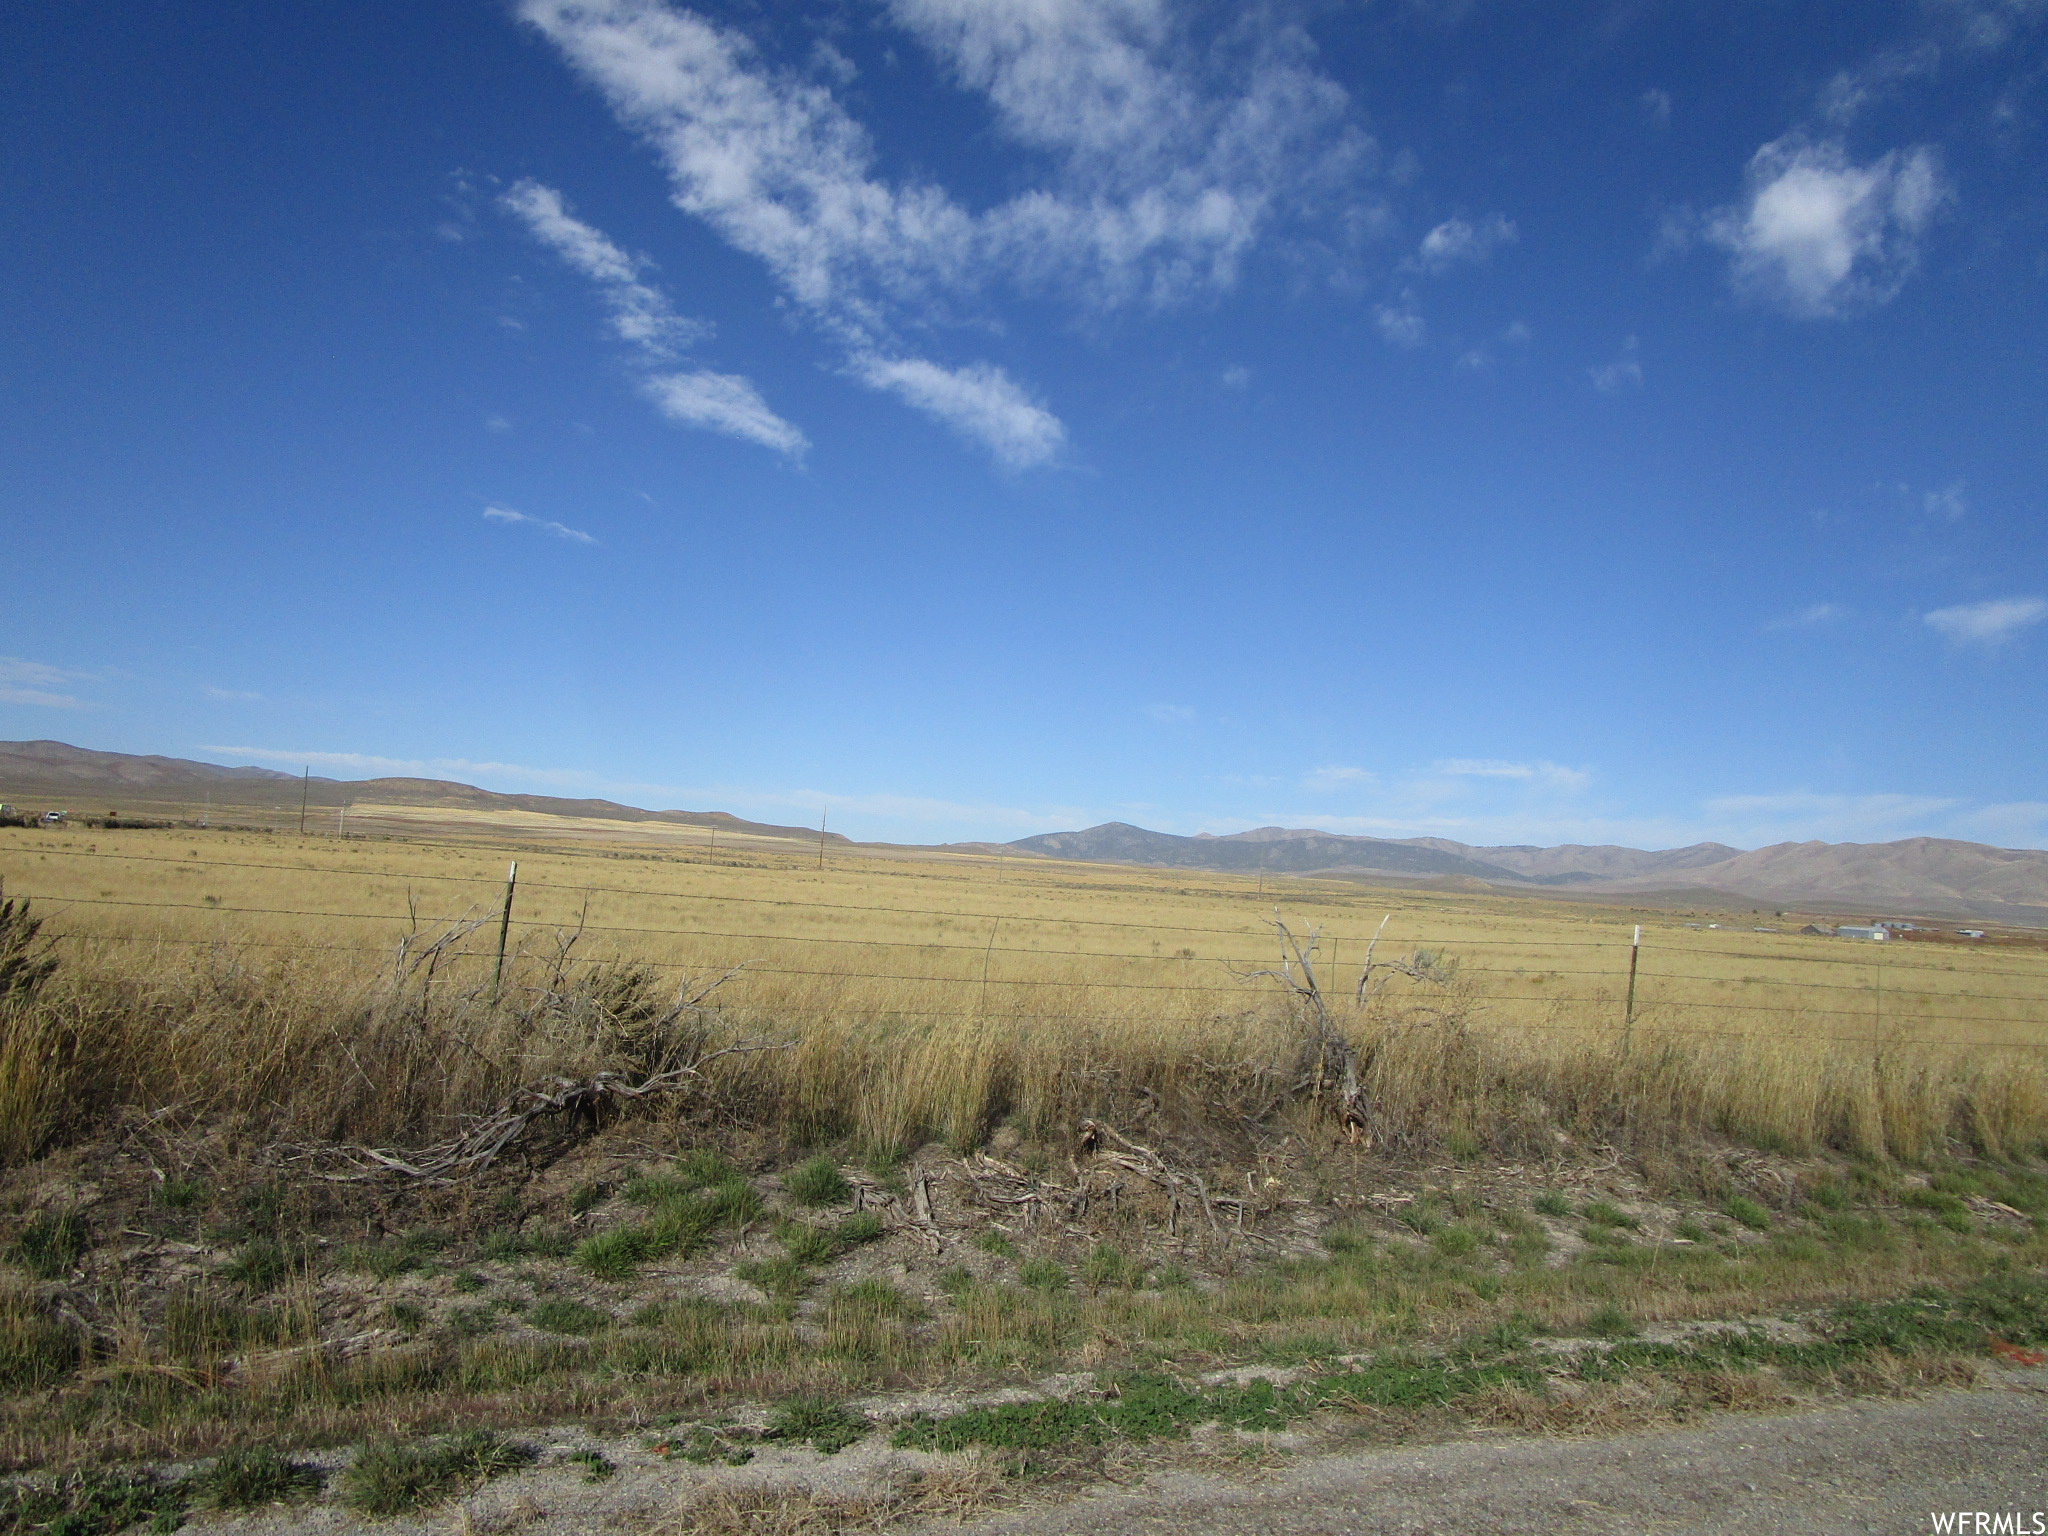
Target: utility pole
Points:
(821, 836)
(305, 788)
(341, 822)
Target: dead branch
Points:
(478, 1147)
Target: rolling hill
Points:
(58, 773)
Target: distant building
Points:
(1818, 930)
(1846, 931)
(1969, 933)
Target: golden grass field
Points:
(949, 934)
(234, 1043)
(930, 991)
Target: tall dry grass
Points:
(275, 1046)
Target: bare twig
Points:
(476, 1148)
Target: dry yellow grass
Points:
(256, 974)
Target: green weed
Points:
(244, 1479)
(828, 1427)
(816, 1182)
(576, 1317)
(51, 1246)
(394, 1478)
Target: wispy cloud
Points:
(1991, 623)
(1548, 775)
(386, 767)
(1819, 235)
(724, 402)
(1162, 176)
(1813, 616)
(641, 314)
(1624, 372)
(34, 682)
(980, 402)
(1950, 502)
(1656, 105)
(1455, 241)
(1849, 91)
(1337, 776)
(643, 318)
(1169, 714)
(559, 530)
(232, 695)
(1401, 323)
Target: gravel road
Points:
(1857, 1467)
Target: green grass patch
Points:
(251, 1477)
(1108, 1266)
(816, 1181)
(91, 1504)
(1605, 1213)
(1044, 1275)
(396, 1477)
(1748, 1212)
(576, 1317)
(827, 1426)
(50, 1246)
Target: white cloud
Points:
(497, 424)
(1169, 714)
(724, 402)
(1851, 90)
(232, 695)
(1237, 376)
(1548, 775)
(1165, 165)
(1402, 323)
(1821, 236)
(1990, 623)
(1337, 776)
(1992, 23)
(643, 318)
(32, 682)
(1656, 105)
(1813, 616)
(979, 402)
(641, 315)
(559, 530)
(1950, 501)
(1625, 372)
(386, 767)
(827, 60)
(1455, 240)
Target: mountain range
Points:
(1930, 876)
(1920, 876)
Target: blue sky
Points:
(1508, 422)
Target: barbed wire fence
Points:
(1876, 993)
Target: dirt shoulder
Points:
(1866, 1466)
